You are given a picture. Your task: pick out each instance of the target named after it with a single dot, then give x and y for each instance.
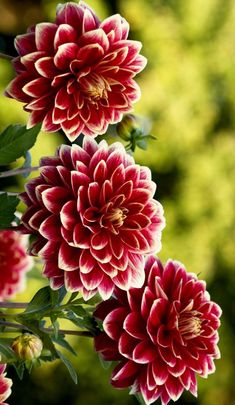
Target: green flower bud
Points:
(128, 124)
(27, 346)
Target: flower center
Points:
(95, 88)
(113, 219)
(189, 324)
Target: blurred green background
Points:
(188, 93)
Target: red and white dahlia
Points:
(93, 212)
(162, 334)
(77, 73)
(14, 263)
(5, 385)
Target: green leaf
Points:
(7, 351)
(19, 367)
(69, 366)
(57, 296)
(8, 204)
(140, 399)
(105, 364)
(55, 324)
(40, 302)
(59, 340)
(78, 310)
(15, 141)
(73, 296)
(27, 164)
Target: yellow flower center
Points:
(189, 324)
(96, 89)
(114, 219)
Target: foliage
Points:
(188, 92)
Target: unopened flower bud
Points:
(126, 126)
(27, 346)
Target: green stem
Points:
(5, 56)
(14, 305)
(14, 172)
(48, 330)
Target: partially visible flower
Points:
(14, 263)
(94, 216)
(127, 125)
(27, 346)
(76, 74)
(162, 334)
(5, 385)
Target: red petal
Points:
(68, 258)
(15, 88)
(65, 54)
(126, 345)
(44, 36)
(135, 325)
(160, 372)
(144, 352)
(113, 23)
(174, 388)
(92, 280)
(125, 370)
(86, 262)
(99, 240)
(54, 198)
(50, 228)
(97, 36)
(68, 215)
(72, 281)
(46, 67)
(64, 34)
(113, 322)
(38, 87)
(106, 288)
(25, 43)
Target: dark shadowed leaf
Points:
(15, 141)
(8, 204)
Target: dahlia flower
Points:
(5, 385)
(76, 74)
(14, 263)
(94, 216)
(162, 334)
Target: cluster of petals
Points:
(76, 74)
(5, 385)
(94, 216)
(14, 263)
(162, 334)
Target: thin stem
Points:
(14, 325)
(14, 172)
(14, 305)
(48, 330)
(5, 56)
(69, 332)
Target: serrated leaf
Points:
(55, 324)
(27, 164)
(7, 352)
(40, 302)
(105, 364)
(78, 310)
(57, 296)
(69, 366)
(73, 296)
(19, 367)
(15, 141)
(140, 399)
(59, 340)
(8, 204)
